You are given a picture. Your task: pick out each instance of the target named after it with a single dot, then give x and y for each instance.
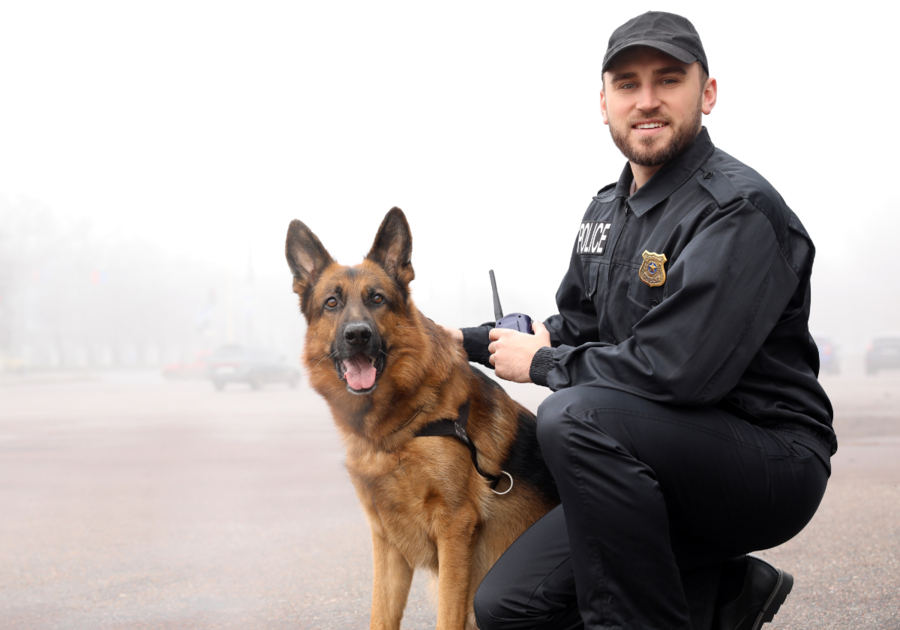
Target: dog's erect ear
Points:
(305, 255)
(392, 248)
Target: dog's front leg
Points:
(455, 548)
(393, 577)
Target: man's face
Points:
(653, 104)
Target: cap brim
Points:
(670, 49)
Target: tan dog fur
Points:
(425, 502)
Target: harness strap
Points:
(457, 428)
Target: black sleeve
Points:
(476, 342)
(727, 290)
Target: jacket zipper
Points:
(609, 269)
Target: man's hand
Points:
(456, 333)
(512, 351)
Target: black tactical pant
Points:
(655, 498)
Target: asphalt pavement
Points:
(128, 502)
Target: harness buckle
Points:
(503, 472)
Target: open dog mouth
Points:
(360, 371)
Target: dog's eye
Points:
(331, 302)
(378, 298)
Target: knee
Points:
(487, 603)
(580, 416)
(557, 416)
(507, 605)
(553, 423)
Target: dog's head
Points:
(348, 308)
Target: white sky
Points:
(208, 126)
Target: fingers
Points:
(494, 346)
(512, 352)
(497, 333)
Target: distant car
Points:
(185, 370)
(12, 365)
(254, 366)
(829, 358)
(883, 354)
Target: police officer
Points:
(687, 426)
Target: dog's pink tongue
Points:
(359, 372)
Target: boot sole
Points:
(776, 599)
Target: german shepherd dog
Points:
(386, 372)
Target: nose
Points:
(648, 99)
(357, 334)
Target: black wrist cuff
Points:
(475, 343)
(541, 364)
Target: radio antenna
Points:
(498, 311)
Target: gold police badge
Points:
(653, 270)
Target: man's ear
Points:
(603, 112)
(306, 257)
(709, 96)
(392, 248)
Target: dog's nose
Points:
(357, 334)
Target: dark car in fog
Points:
(883, 354)
(253, 366)
(829, 358)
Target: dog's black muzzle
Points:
(358, 343)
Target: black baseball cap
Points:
(670, 33)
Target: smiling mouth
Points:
(650, 125)
(360, 372)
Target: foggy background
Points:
(153, 154)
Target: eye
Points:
(331, 302)
(378, 298)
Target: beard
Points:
(653, 151)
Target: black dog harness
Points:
(457, 429)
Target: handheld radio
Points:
(514, 321)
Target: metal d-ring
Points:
(503, 472)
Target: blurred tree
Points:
(73, 296)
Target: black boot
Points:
(764, 591)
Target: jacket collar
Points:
(669, 178)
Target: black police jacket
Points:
(693, 291)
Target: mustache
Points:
(648, 116)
